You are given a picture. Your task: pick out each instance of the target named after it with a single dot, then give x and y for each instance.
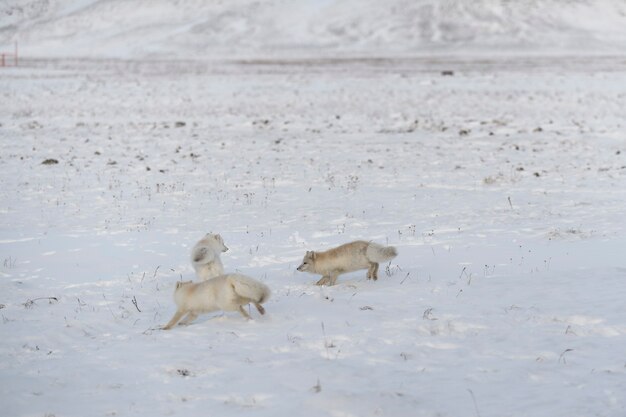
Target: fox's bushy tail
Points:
(378, 253)
(250, 288)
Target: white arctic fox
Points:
(205, 256)
(347, 258)
(228, 292)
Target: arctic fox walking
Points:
(347, 258)
(205, 256)
(228, 292)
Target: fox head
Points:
(216, 241)
(308, 262)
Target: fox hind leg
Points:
(190, 317)
(333, 279)
(260, 308)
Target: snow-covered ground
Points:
(503, 186)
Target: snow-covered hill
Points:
(244, 28)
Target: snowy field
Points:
(503, 186)
(484, 140)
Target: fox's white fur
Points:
(347, 258)
(205, 256)
(228, 292)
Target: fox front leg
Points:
(323, 281)
(244, 313)
(174, 320)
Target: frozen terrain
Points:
(503, 187)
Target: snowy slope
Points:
(213, 29)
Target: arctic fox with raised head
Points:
(347, 258)
(205, 256)
(228, 292)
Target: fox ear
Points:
(312, 255)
